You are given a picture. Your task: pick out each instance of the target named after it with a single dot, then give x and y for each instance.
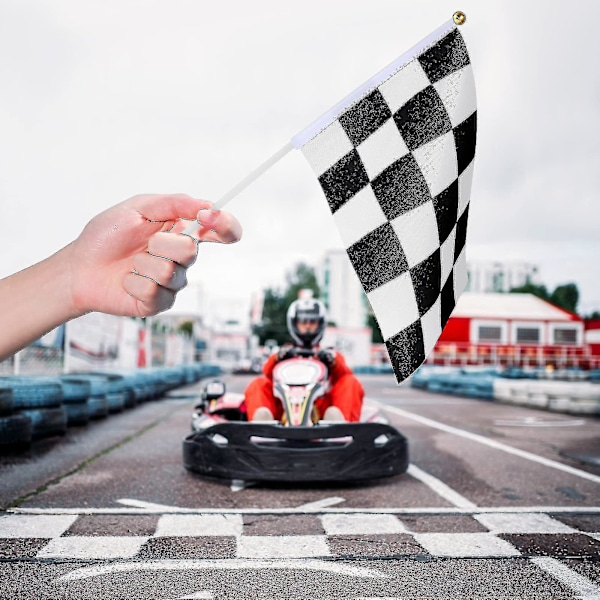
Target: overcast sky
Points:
(104, 99)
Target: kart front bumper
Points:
(269, 452)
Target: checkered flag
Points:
(395, 161)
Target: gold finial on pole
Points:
(459, 17)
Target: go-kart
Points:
(299, 447)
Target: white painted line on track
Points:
(97, 547)
(223, 564)
(361, 524)
(282, 546)
(488, 442)
(465, 545)
(199, 525)
(440, 488)
(321, 503)
(35, 526)
(425, 510)
(582, 586)
(523, 523)
(146, 505)
(197, 596)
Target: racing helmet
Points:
(303, 310)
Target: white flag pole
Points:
(243, 184)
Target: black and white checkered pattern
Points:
(396, 169)
(270, 536)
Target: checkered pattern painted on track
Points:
(298, 536)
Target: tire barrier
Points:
(34, 391)
(47, 421)
(32, 407)
(7, 401)
(98, 407)
(78, 413)
(75, 399)
(15, 431)
(382, 369)
(576, 396)
(581, 398)
(116, 402)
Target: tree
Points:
(301, 278)
(566, 296)
(187, 328)
(531, 288)
(272, 325)
(276, 303)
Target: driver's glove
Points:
(327, 357)
(286, 352)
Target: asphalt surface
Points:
(499, 502)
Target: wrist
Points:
(61, 282)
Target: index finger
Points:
(168, 207)
(214, 226)
(218, 226)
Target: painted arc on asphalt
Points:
(537, 422)
(223, 564)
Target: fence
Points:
(559, 357)
(98, 341)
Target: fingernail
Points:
(207, 217)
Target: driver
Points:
(306, 325)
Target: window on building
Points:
(565, 335)
(528, 335)
(488, 333)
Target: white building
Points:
(497, 276)
(341, 290)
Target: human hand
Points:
(131, 260)
(286, 352)
(327, 357)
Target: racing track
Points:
(497, 503)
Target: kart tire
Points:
(130, 397)
(98, 383)
(15, 430)
(121, 384)
(98, 407)
(47, 421)
(78, 413)
(35, 391)
(118, 384)
(75, 389)
(116, 402)
(6, 401)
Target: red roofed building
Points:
(592, 335)
(513, 329)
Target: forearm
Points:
(35, 301)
